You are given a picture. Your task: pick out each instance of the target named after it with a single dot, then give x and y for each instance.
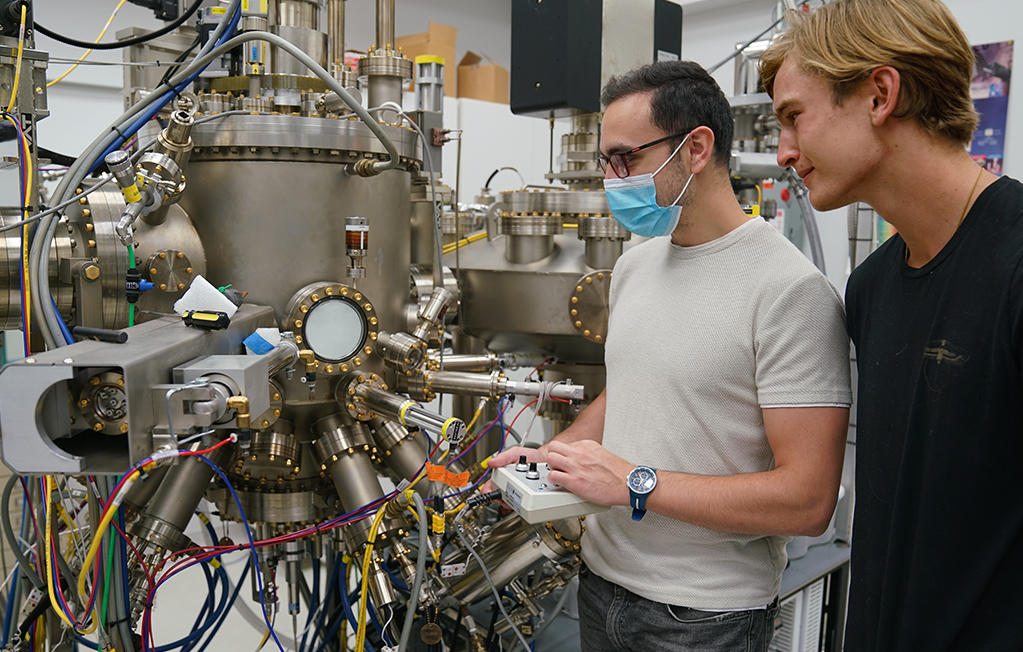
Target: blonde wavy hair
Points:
(845, 40)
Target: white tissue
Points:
(203, 296)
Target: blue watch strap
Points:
(638, 505)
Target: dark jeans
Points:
(614, 619)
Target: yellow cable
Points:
(448, 248)
(476, 416)
(26, 154)
(48, 511)
(17, 66)
(367, 558)
(760, 196)
(89, 51)
(266, 637)
(72, 531)
(343, 637)
(103, 525)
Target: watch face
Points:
(642, 480)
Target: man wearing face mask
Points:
(722, 428)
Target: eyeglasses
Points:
(618, 163)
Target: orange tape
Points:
(438, 473)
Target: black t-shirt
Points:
(937, 554)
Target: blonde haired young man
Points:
(874, 105)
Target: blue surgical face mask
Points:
(633, 202)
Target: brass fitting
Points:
(364, 167)
(241, 405)
(396, 506)
(311, 364)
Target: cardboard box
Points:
(482, 80)
(438, 40)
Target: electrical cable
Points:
(17, 66)
(421, 555)
(138, 40)
(12, 540)
(493, 174)
(83, 166)
(230, 603)
(56, 209)
(89, 51)
(486, 573)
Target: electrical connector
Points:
(483, 499)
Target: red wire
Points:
(537, 367)
(510, 425)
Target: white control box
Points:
(536, 500)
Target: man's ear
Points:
(882, 87)
(701, 149)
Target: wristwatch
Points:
(642, 481)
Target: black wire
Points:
(138, 40)
(39, 610)
(173, 70)
(489, 642)
(491, 178)
(456, 632)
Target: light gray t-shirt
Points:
(699, 340)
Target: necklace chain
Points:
(962, 216)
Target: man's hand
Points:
(511, 456)
(586, 469)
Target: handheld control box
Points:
(526, 490)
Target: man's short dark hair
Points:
(685, 97)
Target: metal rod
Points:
(385, 24)
(336, 31)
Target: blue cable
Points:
(196, 633)
(331, 584)
(8, 610)
(230, 603)
(252, 546)
(346, 603)
(60, 320)
(163, 101)
(313, 599)
(395, 580)
(123, 549)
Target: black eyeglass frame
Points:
(605, 161)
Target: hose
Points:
(46, 317)
(406, 629)
(138, 40)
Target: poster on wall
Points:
(990, 92)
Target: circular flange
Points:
(104, 403)
(277, 446)
(588, 307)
(508, 224)
(389, 63)
(336, 321)
(602, 227)
(169, 270)
(562, 203)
